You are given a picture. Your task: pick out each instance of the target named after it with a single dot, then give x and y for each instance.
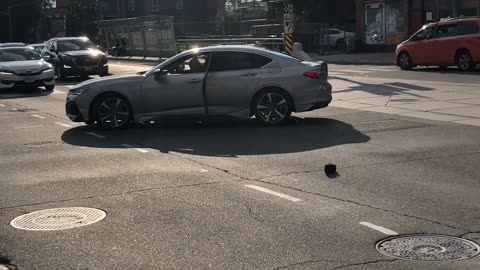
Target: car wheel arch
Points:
(269, 88)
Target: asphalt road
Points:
(233, 194)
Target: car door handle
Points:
(250, 74)
(194, 81)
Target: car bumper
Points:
(321, 99)
(74, 70)
(13, 81)
(72, 110)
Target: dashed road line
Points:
(378, 228)
(271, 192)
(63, 124)
(138, 149)
(203, 170)
(38, 116)
(28, 127)
(95, 135)
(3, 105)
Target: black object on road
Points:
(331, 170)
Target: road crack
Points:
(362, 263)
(365, 205)
(110, 195)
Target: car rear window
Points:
(467, 28)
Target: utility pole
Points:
(10, 22)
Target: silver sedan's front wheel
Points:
(113, 112)
(272, 108)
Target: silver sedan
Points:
(239, 81)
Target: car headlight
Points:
(78, 91)
(6, 72)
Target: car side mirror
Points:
(158, 74)
(47, 58)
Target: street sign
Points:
(289, 8)
(288, 23)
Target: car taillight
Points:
(314, 74)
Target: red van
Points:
(449, 42)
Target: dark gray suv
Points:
(75, 56)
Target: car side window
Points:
(193, 63)
(227, 61)
(446, 30)
(423, 34)
(467, 28)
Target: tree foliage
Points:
(25, 15)
(79, 17)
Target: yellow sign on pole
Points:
(288, 28)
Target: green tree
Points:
(80, 15)
(24, 16)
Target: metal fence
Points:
(143, 36)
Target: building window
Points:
(131, 5)
(179, 4)
(156, 5)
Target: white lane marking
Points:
(38, 116)
(14, 109)
(203, 170)
(28, 127)
(138, 149)
(290, 198)
(378, 228)
(63, 124)
(3, 105)
(95, 135)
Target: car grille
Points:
(28, 73)
(87, 62)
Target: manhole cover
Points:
(422, 247)
(58, 219)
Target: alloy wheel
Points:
(272, 108)
(405, 61)
(113, 112)
(464, 61)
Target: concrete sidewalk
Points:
(356, 58)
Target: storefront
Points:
(389, 22)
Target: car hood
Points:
(83, 53)
(123, 79)
(24, 65)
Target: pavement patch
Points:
(58, 219)
(430, 248)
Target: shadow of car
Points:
(225, 138)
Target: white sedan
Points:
(23, 67)
(337, 38)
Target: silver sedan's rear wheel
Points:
(272, 107)
(113, 112)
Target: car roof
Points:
(67, 38)
(15, 48)
(37, 44)
(12, 44)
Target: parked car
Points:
(12, 44)
(23, 67)
(39, 47)
(76, 56)
(238, 81)
(449, 42)
(338, 38)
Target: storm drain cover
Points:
(58, 219)
(422, 247)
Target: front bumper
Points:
(72, 68)
(13, 81)
(72, 110)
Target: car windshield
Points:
(75, 45)
(20, 54)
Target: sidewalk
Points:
(356, 58)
